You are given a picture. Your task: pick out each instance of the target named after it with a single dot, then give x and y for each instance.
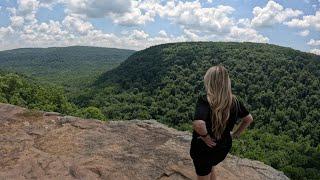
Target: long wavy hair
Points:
(219, 96)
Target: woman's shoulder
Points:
(202, 98)
(240, 107)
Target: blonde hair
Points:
(219, 96)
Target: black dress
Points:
(203, 156)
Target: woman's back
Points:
(204, 157)
(203, 112)
(215, 115)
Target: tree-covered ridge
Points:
(68, 66)
(269, 78)
(23, 91)
(19, 90)
(280, 87)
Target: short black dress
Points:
(203, 156)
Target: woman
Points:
(216, 114)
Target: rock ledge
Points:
(48, 145)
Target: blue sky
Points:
(137, 24)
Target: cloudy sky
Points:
(137, 24)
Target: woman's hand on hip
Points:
(209, 141)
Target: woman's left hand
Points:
(209, 141)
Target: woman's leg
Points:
(213, 174)
(207, 177)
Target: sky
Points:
(138, 24)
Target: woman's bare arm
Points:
(246, 121)
(200, 127)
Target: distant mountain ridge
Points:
(64, 47)
(63, 65)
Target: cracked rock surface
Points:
(48, 145)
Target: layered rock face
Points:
(46, 145)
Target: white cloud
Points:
(244, 22)
(74, 29)
(123, 12)
(24, 13)
(50, 3)
(138, 34)
(16, 21)
(309, 21)
(43, 34)
(28, 9)
(192, 16)
(197, 23)
(98, 8)
(313, 42)
(135, 39)
(271, 14)
(304, 33)
(246, 34)
(214, 23)
(4, 32)
(163, 33)
(77, 24)
(190, 35)
(315, 51)
(11, 10)
(66, 33)
(135, 16)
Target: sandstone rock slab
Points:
(40, 145)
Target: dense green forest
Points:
(279, 86)
(24, 91)
(71, 67)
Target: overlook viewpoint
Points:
(48, 145)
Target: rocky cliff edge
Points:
(47, 145)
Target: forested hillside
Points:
(20, 90)
(280, 87)
(71, 67)
(24, 91)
